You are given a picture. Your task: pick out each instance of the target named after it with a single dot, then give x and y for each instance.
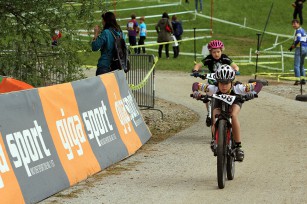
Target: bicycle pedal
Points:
(213, 147)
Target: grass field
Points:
(238, 40)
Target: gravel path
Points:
(182, 168)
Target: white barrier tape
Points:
(142, 7)
(159, 15)
(253, 63)
(239, 25)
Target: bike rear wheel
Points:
(221, 154)
(231, 160)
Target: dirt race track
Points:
(182, 168)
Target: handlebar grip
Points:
(246, 98)
(197, 74)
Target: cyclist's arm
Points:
(243, 89)
(229, 61)
(234, 66)
(207, 88)
(197, 66)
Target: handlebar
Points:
(241, 98)
(207, 76)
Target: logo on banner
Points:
(71, 134)
(98, 124)
(28, 146)
(3, 166)
(126, 112)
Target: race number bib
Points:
(226, 98)
(210, 76)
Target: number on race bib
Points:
(211, 76)
(226, 98)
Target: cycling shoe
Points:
(239, 154)
(208, 121)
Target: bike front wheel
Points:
(221, 154)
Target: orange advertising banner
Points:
(124, 125)
(67, 130)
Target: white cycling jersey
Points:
(240, 89)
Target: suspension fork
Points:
(224, 115)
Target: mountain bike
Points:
(224, 145)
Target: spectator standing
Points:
(143, 33)
(133, 30)
(104, 41)
(298, 10)
(177, 27)
(300, 46)
(200, 6)
(164, 29)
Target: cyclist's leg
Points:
(239, 153)
(213, 143)
(216, 111)
(235, 122)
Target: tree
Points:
(25, 39)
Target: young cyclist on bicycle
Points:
(215, 59)
(225, 76)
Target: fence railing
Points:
(39, 69)
(141, 65)
(141, 80)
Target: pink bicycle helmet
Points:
(225, 73)
(215, 44)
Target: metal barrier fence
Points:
(141, 65)
(141, 80)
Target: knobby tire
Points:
(221, 154)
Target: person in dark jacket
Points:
(104, 41)
(164, 33)
(298, 10)
(177, 26)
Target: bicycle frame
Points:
(224, 115)
(224, 143)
